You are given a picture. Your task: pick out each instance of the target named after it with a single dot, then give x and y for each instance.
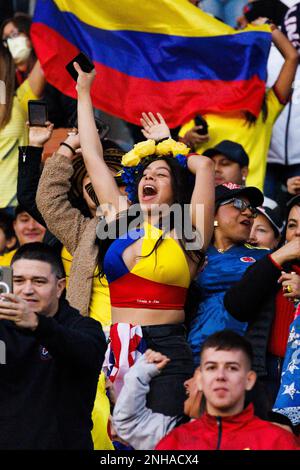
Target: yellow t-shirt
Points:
(100, 416)
(254, 138)
(99, 308)
(66, 261)
(6, 258)
(11, 136)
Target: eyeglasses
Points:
(241, 205)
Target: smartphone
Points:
(37, 113)
(85, 63)
(200, 121)
(6, 280)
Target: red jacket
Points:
(239, 432)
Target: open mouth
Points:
(149, 190)
(246, 222)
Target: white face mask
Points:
(19, 48)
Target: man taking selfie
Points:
(53, 358)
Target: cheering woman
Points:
(150, 264)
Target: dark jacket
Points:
(49, 381)
(29, 172)
(252, 299)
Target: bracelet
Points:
(69, 147)
(164, 138)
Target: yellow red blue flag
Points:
(162, 56)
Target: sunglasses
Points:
(241, 205)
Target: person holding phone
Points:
(230, 159)
(153, 312)
(70, 213)
(13, 111)
(54, 357)
(254, 134)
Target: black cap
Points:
(293, 201)
(231, 150)
(274, 217)
(230, 190)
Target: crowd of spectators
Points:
(131, 323)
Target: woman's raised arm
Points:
(103, 182)
(203, 197)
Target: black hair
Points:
(251, 118)
(19, 210)
(227, 340)
(6, 224)
(182, 190)
(22, 21)
(38, 251)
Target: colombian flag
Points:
(162, 56)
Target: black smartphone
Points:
(37, 113)
(200, 121)
(6, 280)
(85, 63)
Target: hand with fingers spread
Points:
(15, 309)
(153, 128)
(157, 358)
(290, 285)
(84, 80)
(38, 135)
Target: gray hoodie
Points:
(133, 421)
